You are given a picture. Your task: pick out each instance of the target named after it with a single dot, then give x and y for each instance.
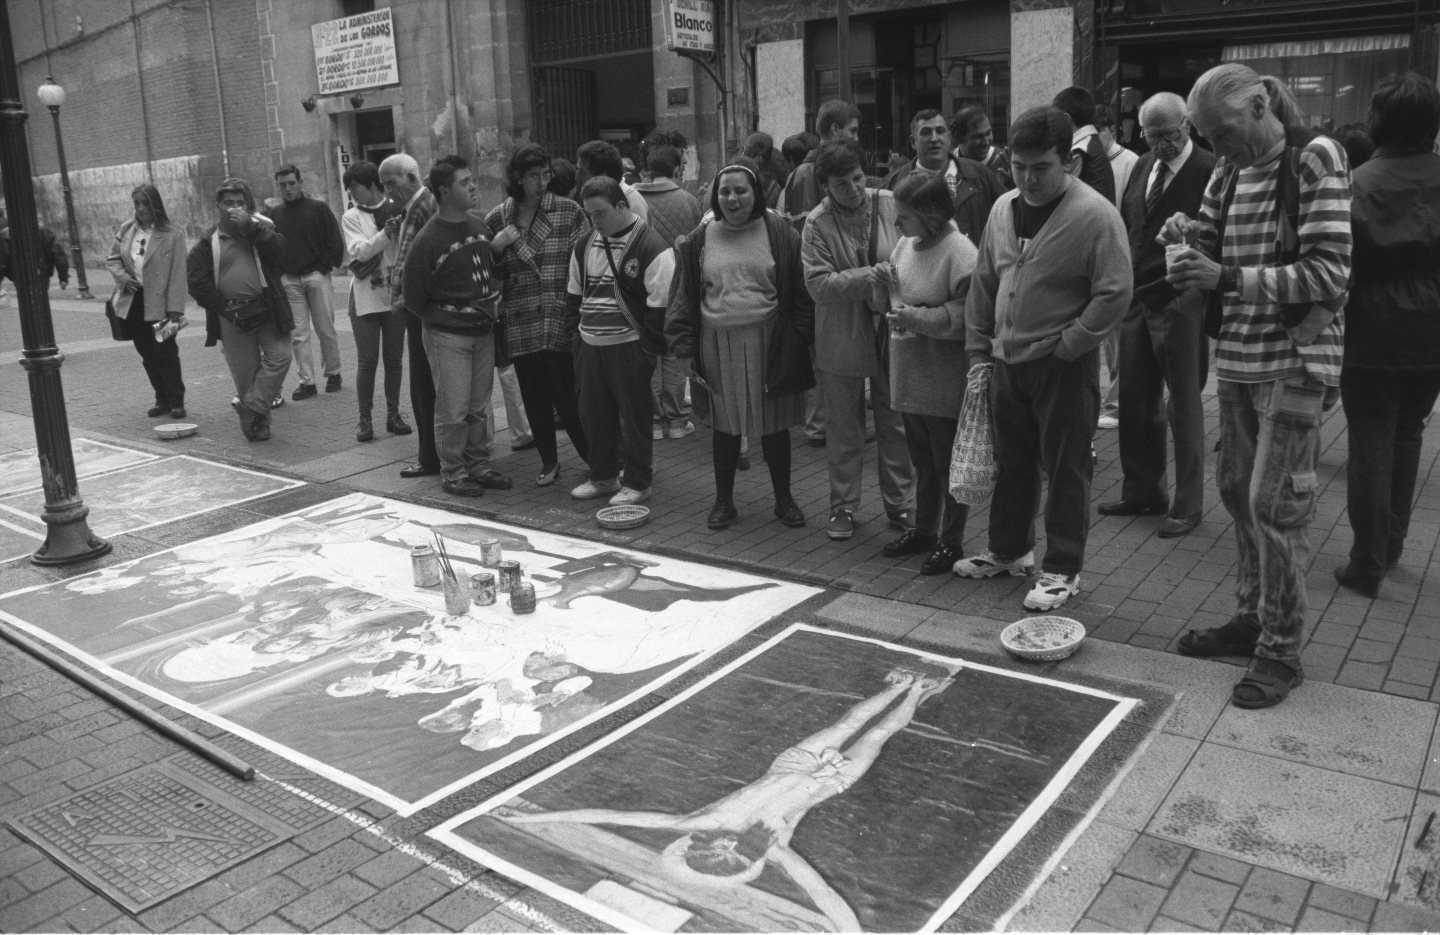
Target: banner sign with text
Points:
(690, 25)
(355, 53)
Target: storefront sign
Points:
(355, 53)
(690, 25)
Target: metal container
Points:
(425, 564)
(490, 552)
(522, 598)
(457, 595)
(482, 588)
(509, 575)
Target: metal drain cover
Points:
(143, 837)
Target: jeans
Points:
(930, 439)
(615, 410)
(667, 393)
(1385, 414)
(422, 392)
(258, 361)
(310, 297)
(372, 333)
(845, 443)
(1110, 350)
(1269, 447)
(463, 369)
(547, 385)
(1045, 412)
(161, 359)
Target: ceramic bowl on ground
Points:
(173, 430)
(622, 517)
(1043, 639)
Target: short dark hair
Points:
(663, 161)
(562, 177)
(603, 186)
(832, 114)
(1405, 113)
(1355, 139)
(663, 136)
(288, 169)
(1103, 119)
(757, 184)
(600, 158)
(965, 118)
(1042, 128)
(797, 147)
(837, 157)
(928, 196)
(928, 113)
(442, 173)
(1078, 103)
(527, 157)
(361, 173)
(759, 146)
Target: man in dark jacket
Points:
(53, 258)
(1092, 166)
(1162, 339)
(314, 247)
(234, 273)
(973, 187)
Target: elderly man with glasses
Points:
(1162, 339)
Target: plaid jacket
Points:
(535, 271)
(422, 207)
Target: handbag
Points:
(972, 457)
(119, 327)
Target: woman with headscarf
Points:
(147, 261)
(741, 317)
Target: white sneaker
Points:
(591, 489)
(1107, 421)
(1051, 590)
(680, 429)
(628, 496)
(657, 431)
(986, 565)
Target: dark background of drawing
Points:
(895, 845)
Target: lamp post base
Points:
(68, 538)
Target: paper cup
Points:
(1173, 251)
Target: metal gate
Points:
(564, 109)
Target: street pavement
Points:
(1315, 816)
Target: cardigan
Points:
(162, 275)
(1059, 295)
(927, 361)
(837, 273)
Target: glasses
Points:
(1171, 135)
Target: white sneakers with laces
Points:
(1051, 590)
(986, 565)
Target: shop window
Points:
(1332, 79)
(981, 79)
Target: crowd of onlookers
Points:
(803, 288)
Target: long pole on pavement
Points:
(67, 531)
(74, 229)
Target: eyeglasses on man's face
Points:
(1168, 135)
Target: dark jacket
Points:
(1392, 321)
(787, 359)
(975, 193)
(313, 242)
(200, 276)
(52, 257)
(1184, 193)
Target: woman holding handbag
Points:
(741, 320)
(147, 261)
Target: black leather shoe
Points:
(1361, 584)
(419, 470)
(395, 424)
(304, 391)
(722, 515)
(1126, 508)
(911, 542)
(158, 410)
(941, 560)
(1176, 526)
(788, 512)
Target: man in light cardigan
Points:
(1053, 278)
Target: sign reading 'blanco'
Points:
(690, 25)
(356, 52)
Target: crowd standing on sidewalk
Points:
(811, 291)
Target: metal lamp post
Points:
(67, 531)
(53, 96)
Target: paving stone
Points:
(389, 867)
(202, 924)
(272, 924)
(1154, 860)
(1167, 924)
(344, 924)
(461, 908)
(1227, 869)
(1127, 903)
(174, 911)
(1247, 922)
(1319, 920)
(331, 832)
(57, 899)
(1402, 917)
(1342, 902)
(338, 859)
(1200, 901)
(253, 904)
(326, 902)
(1088, 924)
(401, 900)
(502, 921)
(1273, 895)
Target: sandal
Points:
(1266, 684)
(1235, 638)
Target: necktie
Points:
(1157, 188)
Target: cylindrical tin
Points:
(425, 564)
(522, 598)
(509, 575)
(490, 553)
(482, 588)
(457, 596)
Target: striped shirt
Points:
(422, 207)
(1254, 345)
(601, 320)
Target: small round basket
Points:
(622, 517)
(173, 430)
(1043, 639)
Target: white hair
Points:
(1167, 103)
(404, 163)
(1229, 85)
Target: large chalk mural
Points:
(822, 782)
(308, 633)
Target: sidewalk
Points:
(1304, 818)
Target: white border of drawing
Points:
(797, 594)
(284, 484)
(141, 457)
(445, 832)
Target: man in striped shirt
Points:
(1282, 287)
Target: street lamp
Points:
(53, 96)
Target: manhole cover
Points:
(143, 837)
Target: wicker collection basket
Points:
(622, 517)
(1043, 639)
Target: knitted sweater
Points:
(447, 276)
(1059, 295)
(927, 359)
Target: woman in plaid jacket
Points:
(534, 271)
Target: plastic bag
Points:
(972, 458)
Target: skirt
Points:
(734, 365)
